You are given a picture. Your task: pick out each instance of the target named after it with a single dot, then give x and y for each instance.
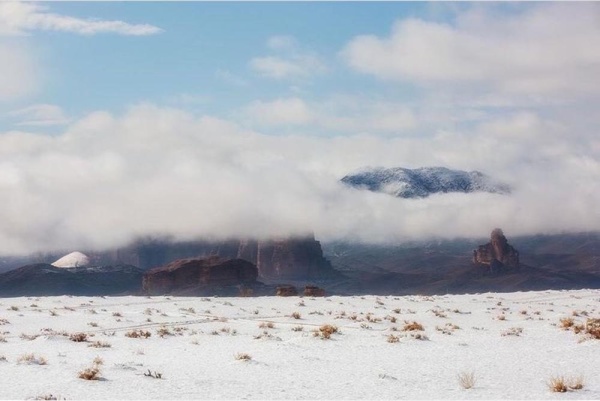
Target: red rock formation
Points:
(497, 253)
(291, 258)
(313, 291)
(190, 274)
(286, 291)
(285, 258)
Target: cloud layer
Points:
(547, 49)
(109, 179)
(17, 18)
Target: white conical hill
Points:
(74, 259)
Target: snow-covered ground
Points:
(196, 356)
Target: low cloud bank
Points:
(107, 180)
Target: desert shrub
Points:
(138, 334)
(242, 356)
(592, 327)
(297, 328)
(2, 358)
(155, 374)
(78, 337)
(163, 331)
(501, 317)
(93, 324)
(466, 380)
(32, 359)
(575, 383)
(412, 326)
(557, 384)
(438, 313)
(296, 315)
(327, 330)
(100, 344)
(566, 323)
(393, 339)
(513, 331)
(49, 397)
(14, 308)
(266, 325)
(117, 314)
(29, 337)
(91, 373)
(3, 322)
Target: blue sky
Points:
(197, 119)
(201, 58)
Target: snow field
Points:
(513, 343)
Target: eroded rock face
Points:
(285, 258)
(192, 275)
(497, 253)
(313, 291)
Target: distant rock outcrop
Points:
(313, 291)
(46, 280)
(286, 291)
(192, 276)
(285, 258)
(422, 182)
(497, 254)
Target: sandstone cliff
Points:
(497, 253)
(286, 258)
(194, 275)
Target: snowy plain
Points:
(513, 343)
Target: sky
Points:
(216, 120)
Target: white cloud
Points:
(40, 115)
(285, 111)
(231, 78)
(540, 50)
(16, 18)
(281, 42)
(279, 68)
(18, 75)
(107, 179)
(289, 62)
(336, 114)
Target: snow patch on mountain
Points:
(74, 259)
(422, 182)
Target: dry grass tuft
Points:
(138, 334)
(91, 373)
(155, 374)
(242, 356)
(266, 325)
(31, 359)
(100, 344)
(412, 326)
(327, 330)
(592, 327)
(467, 380)
(163, 331)
(78, 337)
(576, 383)
(566, 323)
(393, 339)
(557, 384)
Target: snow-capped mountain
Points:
(422, 182)
(74, 259)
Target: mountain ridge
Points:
(423, 182)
